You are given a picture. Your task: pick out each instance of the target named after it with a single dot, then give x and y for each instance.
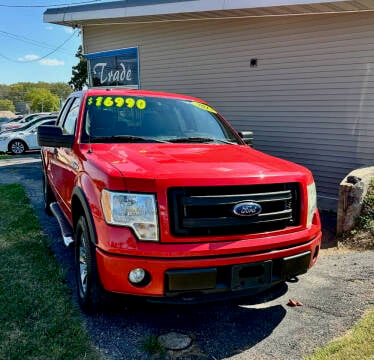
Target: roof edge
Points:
(145, 8)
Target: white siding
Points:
(310, 99)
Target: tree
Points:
(4, 91)
(42, 100)
(79, 78)
(17, 92)
(62, 90)
(7, 105)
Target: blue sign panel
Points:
(114, 68)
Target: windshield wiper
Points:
(193, 139)
(126, 138)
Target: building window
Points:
(114, 68)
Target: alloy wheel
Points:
(83, 275)
(17, 147)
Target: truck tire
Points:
(48, 196)
(91, 294)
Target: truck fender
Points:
(79, 200)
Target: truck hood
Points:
(195, 161)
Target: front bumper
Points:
(214, 275)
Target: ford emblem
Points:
(247, 208)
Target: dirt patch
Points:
(362, 240)
(337, 251)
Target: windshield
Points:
(152, 119)
(30, 117)
(27, 118)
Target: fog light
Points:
(136, 276)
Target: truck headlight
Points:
(137, 211)
(312, 203)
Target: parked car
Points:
(6, 115)
(162, 198)
(31, 123)
(9, 120)
(17, 141)
(14, 123)
(4, 119)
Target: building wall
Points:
(310, 99)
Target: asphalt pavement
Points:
(334, 293)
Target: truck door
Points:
(63, 162)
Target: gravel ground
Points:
(334, 293)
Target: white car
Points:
(19, 140)
(18, 123)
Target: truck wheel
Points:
(48, 196)
(17, 147)
(91, 294)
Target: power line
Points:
(59, 47)
(29, 41)
(49, 5)
(43, 57)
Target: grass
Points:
(38, 320)
(366, 219)
(4, 156)
(358, 343)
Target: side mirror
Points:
(247, 137)
(51, 135)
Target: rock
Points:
(175, 341)
(352, 191)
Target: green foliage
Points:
(42, 100)
(62, 90)
(37, 319)
(366, 219)
(6, 104)
(19, 91)
(152, 345)
(4, 91)
(79, 78)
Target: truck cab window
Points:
(71, 118)
(63, 112)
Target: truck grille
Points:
(205, 211)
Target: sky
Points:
(24, 37)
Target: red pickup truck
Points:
(162, 198)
